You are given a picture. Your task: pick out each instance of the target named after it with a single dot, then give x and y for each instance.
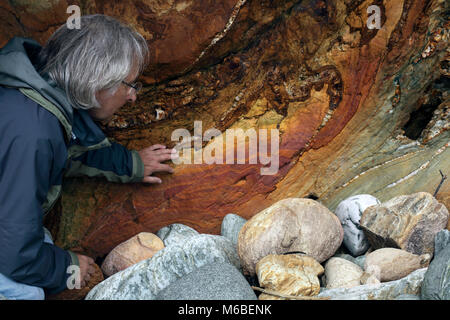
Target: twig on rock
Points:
(277, 294)
(440, 184)
(294, 252)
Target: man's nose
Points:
(132, 96)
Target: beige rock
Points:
(371, 275)
(409, 222)
(394, 264)
(368, 278)
(293, 275)
(140, 247)
(341, 273)
(292, 224)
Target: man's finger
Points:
(162, 168)
(165, 157)
(166, 151)
(150, 179)
(156, 147)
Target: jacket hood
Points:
(18, 63)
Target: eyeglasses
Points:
(137, 86)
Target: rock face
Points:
(436, 285)
(394, 264)
(291, 274)
(217, 281)
(291, 224)
(177, 32)
(341, 95)
(341, 273)
(384, 291)
(144, 280)
(409, 222)
(349, 213)
(140, 247)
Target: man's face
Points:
(111, 103)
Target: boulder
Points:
(176, 233)
(349, 213)
(140, 247)
(441, 241)
(290, 225)
(144, 280)
(408, 222)
(341, 273)
(384, 291)
(294, 275)
(231, 225)
(216, 281)
(436, 285)
(394, 264)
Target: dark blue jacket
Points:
(42, 140)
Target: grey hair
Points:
(98, 56)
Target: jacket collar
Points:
(85, 131)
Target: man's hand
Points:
(152, 156)
(86, 269)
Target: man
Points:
(50, 99)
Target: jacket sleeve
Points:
(115, 163)
(25, 173)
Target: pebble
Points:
(341, 273)
(349, 212)
(408, 222)
(292, 274)
(140, 247)
(393, 264)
